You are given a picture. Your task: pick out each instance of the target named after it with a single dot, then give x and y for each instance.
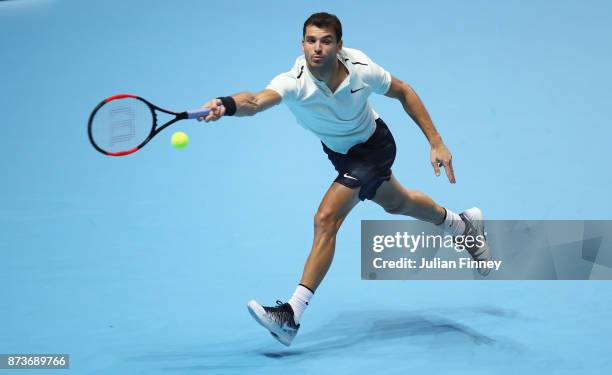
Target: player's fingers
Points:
(203, 118)
(208, 105)
(436, 167)
(220, 111)
(216, 110)
(448, 167)
(210, 116)
(216, 107)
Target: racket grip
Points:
(199, 113)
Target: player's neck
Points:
(333, 76)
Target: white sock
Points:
(453, 224)
(299, 301)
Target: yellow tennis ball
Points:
(179, 140)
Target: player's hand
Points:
(216, 110)
(441, 157)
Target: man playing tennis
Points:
(327, 90)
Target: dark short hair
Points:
(322, 20)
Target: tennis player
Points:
(327, 90)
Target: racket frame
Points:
(154, 128)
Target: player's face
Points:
(320, 47)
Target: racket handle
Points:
(199, 113)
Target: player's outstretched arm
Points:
(241, 104)
(414, 107)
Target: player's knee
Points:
(326, 221)
(394, 208)
(401, 204)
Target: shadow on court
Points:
(401, 337)
(356, 330)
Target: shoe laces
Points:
(282, 313)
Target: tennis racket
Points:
(122, 124)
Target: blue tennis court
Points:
(144, 264)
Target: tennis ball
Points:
(179, 140)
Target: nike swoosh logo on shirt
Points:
(356, 62)
(351, 177)
(354, 91)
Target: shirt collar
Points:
(322, 86)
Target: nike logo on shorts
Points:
(351, 177)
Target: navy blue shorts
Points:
(366, 165)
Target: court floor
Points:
(144, 264)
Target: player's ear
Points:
(302, 45)
(340, 45)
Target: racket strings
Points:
(122, 125)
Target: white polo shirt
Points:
(341, 119)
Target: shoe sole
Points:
(259, 314)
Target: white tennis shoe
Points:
(474, 226)
(279, 320)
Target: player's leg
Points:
(335, 206)
(394, 198)
(283, 320)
